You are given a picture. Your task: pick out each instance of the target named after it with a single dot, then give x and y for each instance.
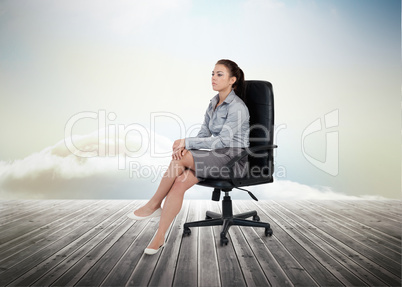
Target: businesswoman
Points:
(223, 135)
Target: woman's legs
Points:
(177, 179)
(175, 169)
(172, 205)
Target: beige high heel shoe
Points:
(156, 213)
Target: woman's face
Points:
(221, 79)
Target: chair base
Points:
(227, 219)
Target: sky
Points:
(93, 93)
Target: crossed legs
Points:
(178, 178)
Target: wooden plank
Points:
(186, 269)
(285, 233)
(14, 206)
(322, 251)
(94, 249)
(260, 245)
(99, 271)
(373, 235)
(120, 275)
(15, 210)
(294, 270)
(289, 265)
(366, 236)
(97, 246)
(51, 262)
(29, 222)
(252, 272)
(208, 266)
(365, 206)
(229, 267)
(162, 274)
(72, 276)
(388, 208)
(351, 237)
(47, 270)
(142, 273)
(393, 207)
(38, 245)
(346, 245)
(19, 243)
(381, 223)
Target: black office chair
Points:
(259, 99)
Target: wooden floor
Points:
(92, 243)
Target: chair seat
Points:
(225, 184)
(217, 183)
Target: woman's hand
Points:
(179, 153)
(179, 149)
(181, 143)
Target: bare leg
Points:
(175, 169)
(172, 205)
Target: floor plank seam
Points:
(365, 226)
(370, 262)
(320, 247)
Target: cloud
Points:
(286, 189)
(105, 166)
(281, 190)
(58, 172)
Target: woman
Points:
(224, 133)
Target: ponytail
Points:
(239, 84)
(235, 71)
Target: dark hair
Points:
(235, 71)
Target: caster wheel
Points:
(186, 231)
(268, 232)
(224, 241)
(256, 218)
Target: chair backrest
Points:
(259, 98)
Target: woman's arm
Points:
(180, 144)
(204, 131)
(235, 124)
